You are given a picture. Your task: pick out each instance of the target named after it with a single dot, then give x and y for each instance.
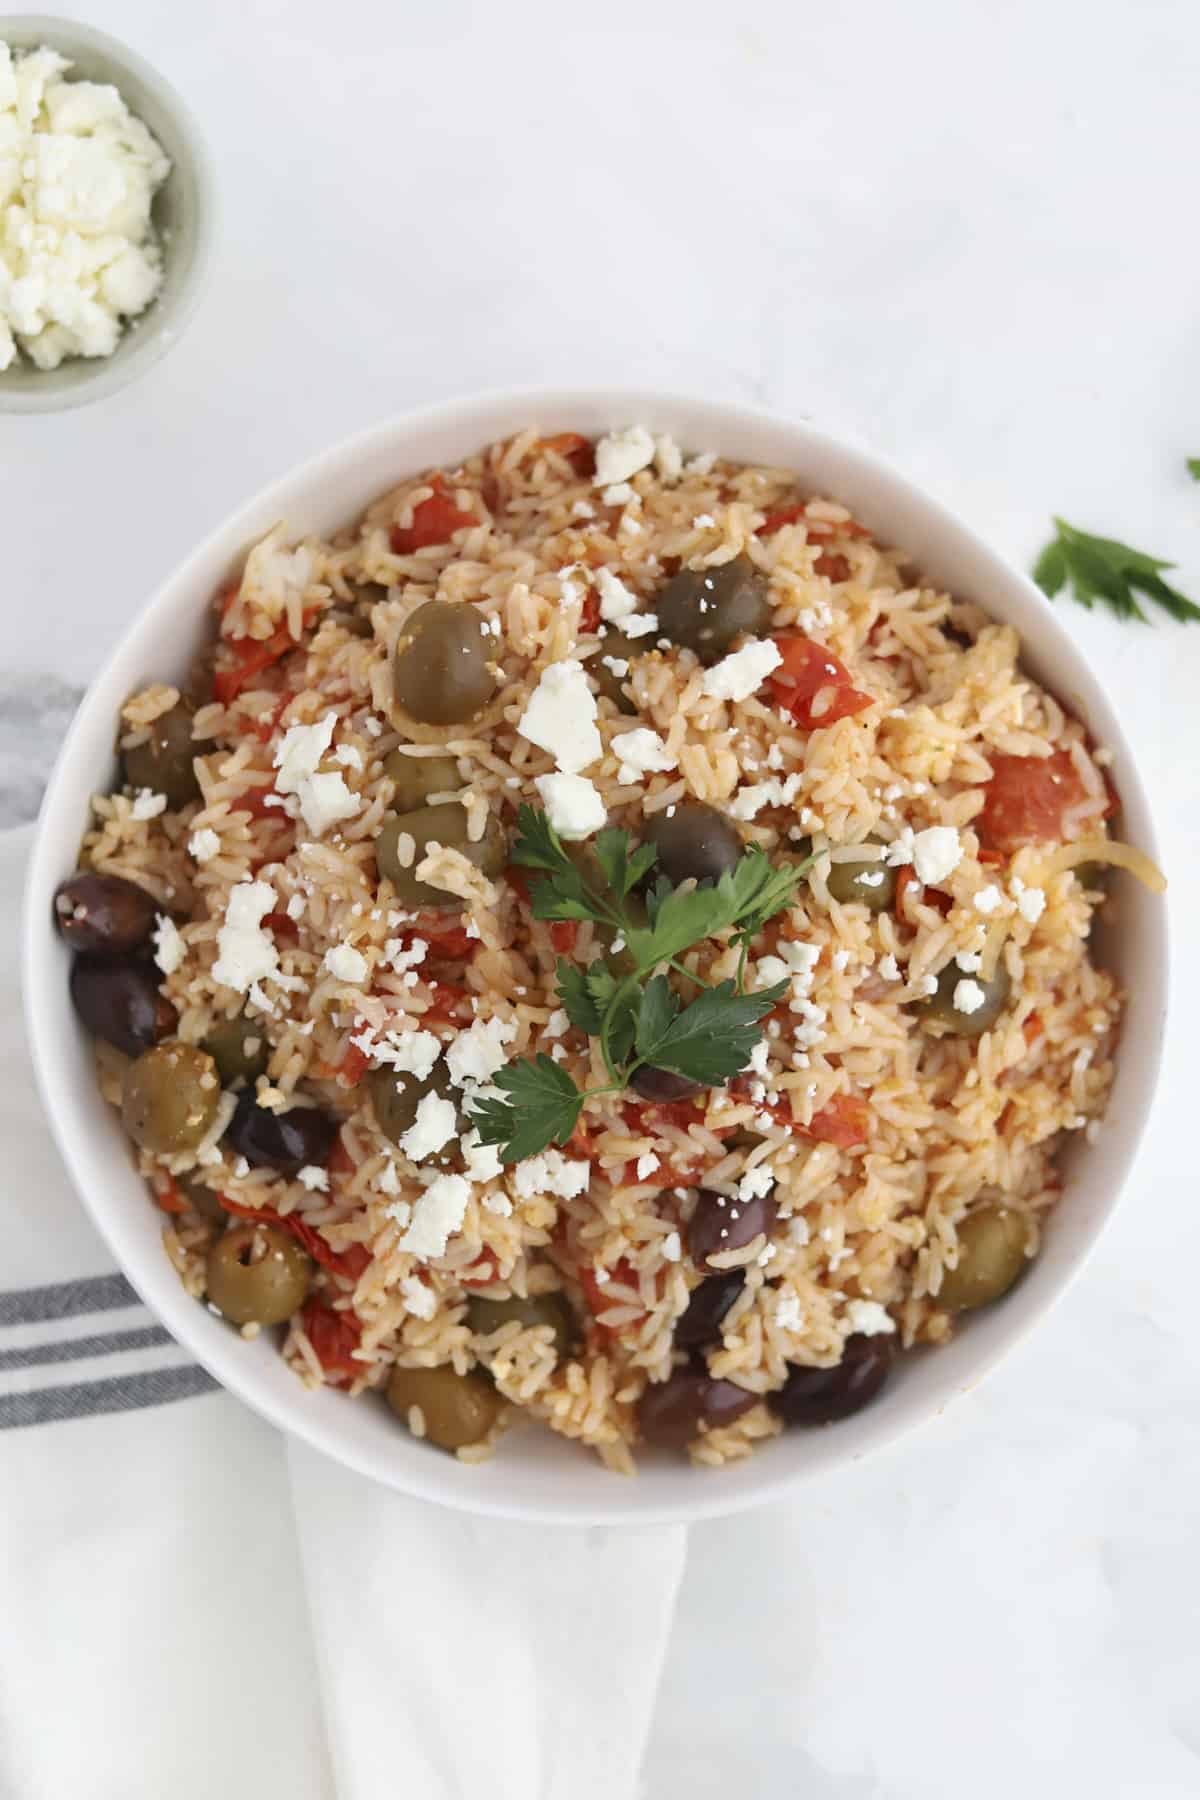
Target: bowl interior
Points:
(536, 1476)
(182, 214)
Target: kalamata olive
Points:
(104, 913)
(118, 1000)
(992, 1245)
(695, 842)
(414, 778)
(446, 825)
(202, 1199)
(700, 1322)
(615, 647)
(663, 1084)
(395, 1097)
(440, 669)
(457, 1409)
(170, 1097)
(819, 1396)
(240, 1048)
(257, 1275)
(707, 609)
(723, 1222)
(164, 762)
(286, 1141)
(671, 1412)
(484, 1316)
(864, 879)
(942, 1004)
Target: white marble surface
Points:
(964, 234)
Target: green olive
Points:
(396, 1097)
(992, 1251)
(446, 825)
(940, 1005)
(440, 669)
(458, 1409)
(240, 1048)
(693, 841)
(257, 1275)
(707, 609)
(414, 778)
(164, 762)
(614, 647)
(864, 879)
(170, 1097)
(484, 1316)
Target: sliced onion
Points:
(1103, 850)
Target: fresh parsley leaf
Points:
(745, 897)
(617, 1000)
(1193, 465)
(1104, 569)
(537, 844)
(711, 1039)
(578, 1002)
(541, 1107)
(621, 870)
(658, 1009)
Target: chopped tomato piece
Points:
(282, 925)
(340, 1160)
(334, 1337)
(666, 1175)
(909, 886)
(447, 1001)
(589, 612)
(518, 881)
(813, 685)
(1033, 1029)
(250, 657)
(349, 1263)
(833, 565)
(169, 1198)
(254, 801)
(434, 521)
(265, 728)
(563, 933)
(1027, 798)
(642, 1117)
(783, 515)
(483, 1271)
(597, 1293)
(843, 1121)
(353, 1066)
(575, 449)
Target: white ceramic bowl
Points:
(537, 1476)
(184, 211)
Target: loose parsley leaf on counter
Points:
(628, 1005)
(1193, 463)
(1103, 569)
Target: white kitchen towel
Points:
(190, 1606)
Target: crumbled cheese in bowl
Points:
(78, 173)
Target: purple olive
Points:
(104, 913)
(724, 1222)
(819, 1396)
(700, 1322)
(118, 1000)
(663, 1084)
(672, 1412)
(286, 1141)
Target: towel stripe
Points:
(74, 1349)
(98, 1293)
(119, 1393)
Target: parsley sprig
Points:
(1102, 569)
(625, 999)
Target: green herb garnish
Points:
(1193, 464)
(1102, 569)
(629, 1006)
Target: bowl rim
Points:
(136, 351)
(615, 1502)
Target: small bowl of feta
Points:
(107, 215)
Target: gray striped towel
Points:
(191, 1606)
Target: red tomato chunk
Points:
(1027, 799)
(434, 521)
(813, 685)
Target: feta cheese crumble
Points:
(573, 806)
(988, 899)
(736, 677)
(324, 798)
(639, 753)
(204, 844)
(868, 1318)
(147, 804)
(936, 853)
(314, 1178)
(78, 173)
(169, 947)
(246, 954)
(436, 1216)
(433, 1128)
(345, 963)
(560, 717)
(968, 996)
(551, 1173)
(478, 1052)
(1031, 904)
(621, 454)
